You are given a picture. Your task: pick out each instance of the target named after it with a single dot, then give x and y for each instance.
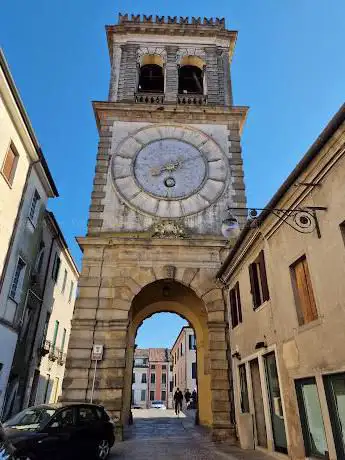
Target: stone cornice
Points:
(142, 238)
(173, 113)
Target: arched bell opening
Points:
(171, 297)
(191, 76)
(151, 75)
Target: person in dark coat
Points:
(178, 398)
(187, 396)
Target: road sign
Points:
(97, 352)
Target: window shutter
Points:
(239, 306)
(307, 305)
(9, 165)
(263, 277)
(253, 285)
(312, 305)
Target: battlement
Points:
(150, 19)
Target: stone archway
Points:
(123, 281)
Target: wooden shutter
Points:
(238, 301)
(254, 286)
(9, 164)
(308, 311)
(234, 316)
(263, 277)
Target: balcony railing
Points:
(61, 359)
(149, 98)
(191, 99)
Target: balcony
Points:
(149, 98)
(191, 99)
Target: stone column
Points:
(171, 75)
(222, 428)
(227, 78)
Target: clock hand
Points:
(157, 171)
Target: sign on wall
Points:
(97, 352)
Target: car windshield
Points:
(31, 419)
(157, 402)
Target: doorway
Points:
(260, 424)
(335, 394)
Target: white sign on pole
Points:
(97, 352)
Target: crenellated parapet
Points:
(180, 20)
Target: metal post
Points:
(93, 382)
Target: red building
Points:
(159, 368)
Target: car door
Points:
(59, 442)
(88, 433)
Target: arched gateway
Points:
(168, 167)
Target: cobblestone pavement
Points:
(158, 435)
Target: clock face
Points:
(170, 168)
(169, 171)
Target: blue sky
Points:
(288, 68)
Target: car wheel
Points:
(103, 449)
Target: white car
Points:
(158, 405)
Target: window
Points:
(56, 389)
(63, 340)
(171, 368)
(133, 377)
(33, 213)
(153, 366)
(56, 267)
(164, 395)
(153, 378)
(9, 165)
(56, 331)
(178, 353)
(64, 281)
(164, 368)
(143, 378)
(243, 388)
(18, 279)
(171, 386)
(304, 297)
(46, 390)
(235, 305)
(311, 418)
(152, 395)
(45, 328)
(175, 380)
(70, 292)
(63, 419)
(143, 395)
(181, 349)
(86, 415)
(164, 379)
(190, 80)
(258, 281)
(191, 342)
(194, 370)
(151, 78)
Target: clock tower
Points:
(168, 166)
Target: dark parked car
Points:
(6, 448)
(54, 432)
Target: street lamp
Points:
(230, 227)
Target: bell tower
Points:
(168, 166)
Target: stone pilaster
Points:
(222, 428)
(127, 85)
(212, 74)
(171, 75)
(227, 78)
(115, 73)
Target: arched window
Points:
(151, 75)
(191, 76)
(39, 260)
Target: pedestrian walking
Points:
(178, 398)
(187, 397)
(194, 399)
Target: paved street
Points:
(158, 435)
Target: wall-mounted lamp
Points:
(303, 220)
(230, 227)
(260, 345)
(237, 355)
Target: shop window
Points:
(235, 305)
(258, 281)
(311, 418)
(243, 388)
(303, 291)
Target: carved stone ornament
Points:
(182, 52)
(151, 50)
(168, 229)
